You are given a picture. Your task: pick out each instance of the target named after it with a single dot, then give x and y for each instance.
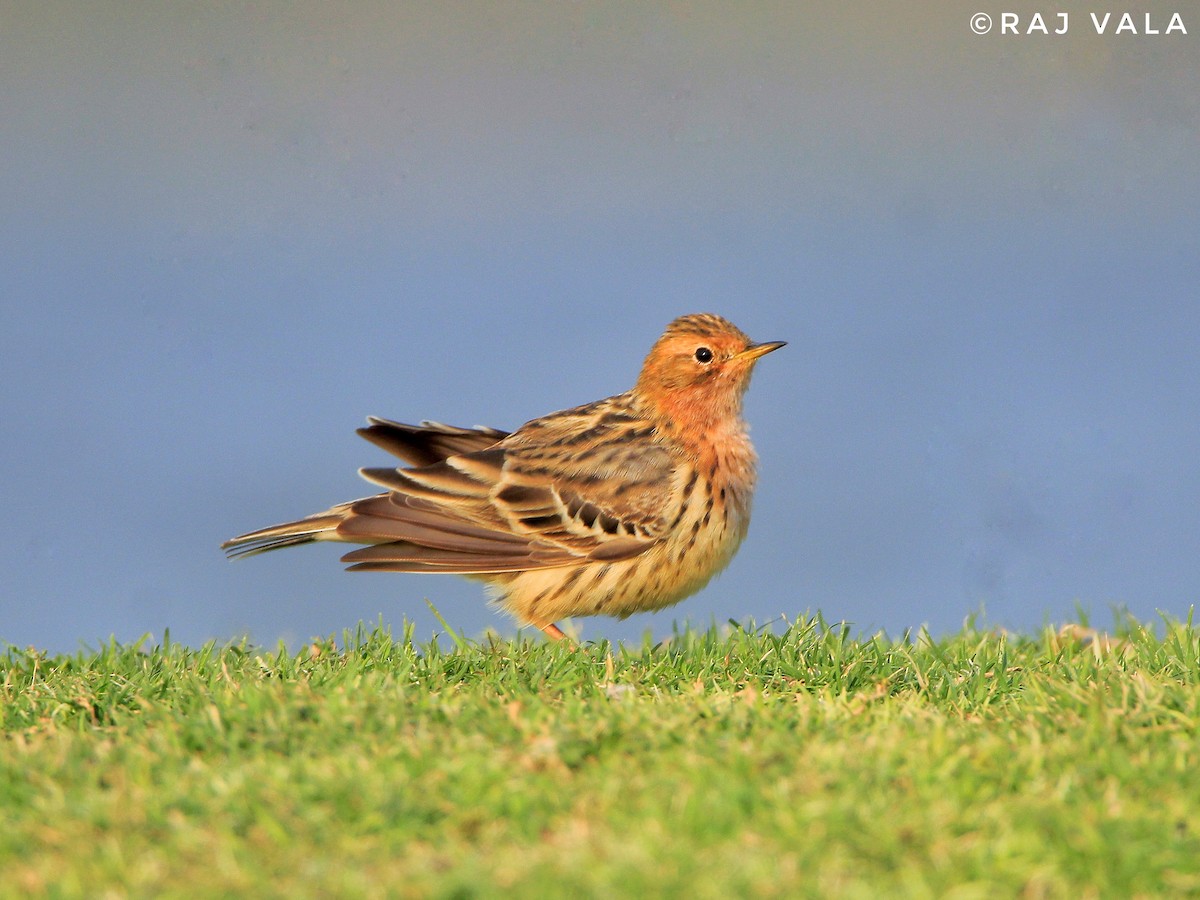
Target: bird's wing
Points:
(429, 442)
(565, 490)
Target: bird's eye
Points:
(704, 355)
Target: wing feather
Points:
(429, 442)
(592, 484)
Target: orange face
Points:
(701, 354)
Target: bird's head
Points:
(700, 368)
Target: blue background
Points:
(232, 231)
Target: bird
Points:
(623, 505)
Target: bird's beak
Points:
(754, 351)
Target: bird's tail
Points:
(320, 527)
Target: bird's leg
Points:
(552, 631)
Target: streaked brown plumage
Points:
(620, 506)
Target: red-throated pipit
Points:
(616, 507)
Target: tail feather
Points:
(321, 527)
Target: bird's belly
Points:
(660, 577)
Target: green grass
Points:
(805, 763)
